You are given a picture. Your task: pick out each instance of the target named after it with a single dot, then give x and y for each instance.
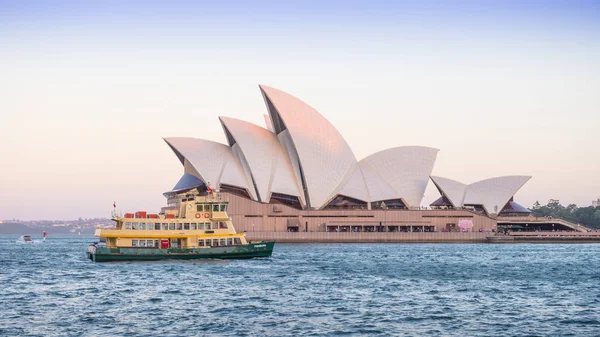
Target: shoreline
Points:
(427, 237)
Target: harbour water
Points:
(50, 289)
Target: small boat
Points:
(25, 239)
(193, 226)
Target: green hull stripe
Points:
(263, 249)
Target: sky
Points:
(88, 89)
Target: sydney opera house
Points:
(299, 174)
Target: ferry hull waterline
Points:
(102, 254)
(194, 225)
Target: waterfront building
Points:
(299, 174)
(596, 203)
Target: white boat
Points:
(25, 239)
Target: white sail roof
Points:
(214, 162)
(268, 123)
(356, 187)
(301, 154)
(325, 159)
(377, 188)
(492, 193)
(262, 151)
(452, 189)
(404, 169)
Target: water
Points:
(50, 289)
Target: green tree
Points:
(587, 216)
(596, 217)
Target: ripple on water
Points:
(308, 290)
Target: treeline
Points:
(587, 216)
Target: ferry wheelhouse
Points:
(194, 226)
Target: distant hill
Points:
(14, 228)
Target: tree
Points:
(584, 218)
(596, 217)
(587, 216)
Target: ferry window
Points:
(223, 207)
(172, 226)
(201, 226)
(215, 208)
(157, 226)
(150, 226)
(215, 242)
(186, 226)
(207, 208)
(128, 225)
(165, 226)
(215, 225)
(179, 226)
(199, 208)
(237, 241)
(201, 243)
(208, 225)
(143, 226)
(174, 243)
(156, 243)
(149, 244)
(222, 242)
(134, 225)
(142, 243)
(223, 225)
(134, 243)
(208, 242)
(229, 242)
(193, 226)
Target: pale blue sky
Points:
(88, 89)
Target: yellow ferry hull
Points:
(103, 254)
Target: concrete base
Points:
(427, 237)
(501, 239)
(312, 237)
(557, 239)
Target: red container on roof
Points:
(129, 215)
(170, 216)
(152, 216)
(140, 214)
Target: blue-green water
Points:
(50, 289)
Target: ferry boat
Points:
(196, 227)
